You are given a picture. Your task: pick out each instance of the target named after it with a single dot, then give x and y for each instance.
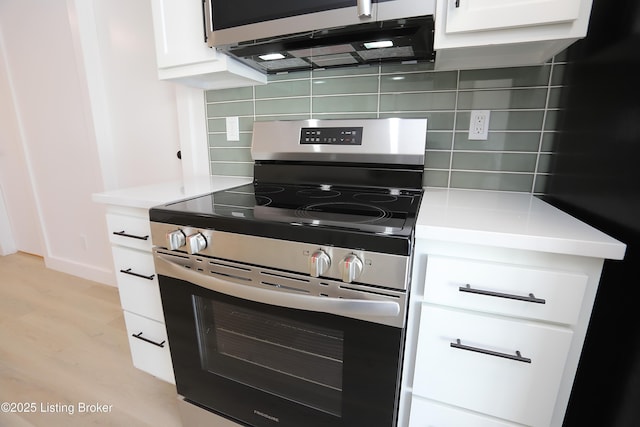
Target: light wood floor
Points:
(63, 341)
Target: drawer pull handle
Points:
(529, 298)
(517, 357)
(140, 337)
(131, 273)
(131, 236)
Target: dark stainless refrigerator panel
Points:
(596, 177)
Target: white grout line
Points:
(379, 73)
(453, 136)
(544, 122)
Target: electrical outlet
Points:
(233, 129)
(479, 125)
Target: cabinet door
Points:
(130, 231)
(427, 413)
(513, 290)
(504, 368)
(149, 347)
(178, 27)
(478, 15)
(138, 282)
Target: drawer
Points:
(426, 413)
(508, 369)
(528, 292)
(131, 231)
(149, 346)
(138, 282)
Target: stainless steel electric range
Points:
(285, 300)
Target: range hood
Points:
(395, 40)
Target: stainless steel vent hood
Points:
(289, 35)
(398, 40)
(390, 41)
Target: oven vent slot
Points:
(173, 255)
(285, 288)
(283, 276)
(229, 266)
(230, 276)
(367, 291)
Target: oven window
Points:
(294, 360)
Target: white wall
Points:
(86, 112)
(135, 114)
(61, 155)
(19, 200)
(7, 242)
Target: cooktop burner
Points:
(315, 213)
(353, 184)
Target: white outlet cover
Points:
(479, 125)
(233, 129)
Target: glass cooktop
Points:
(362, 218)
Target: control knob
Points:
(319, 263)
(176, 239)
(195, 243)
(351, 267)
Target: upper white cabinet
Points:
(482, 15)
(183, 55)
(499, 33)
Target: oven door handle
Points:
(339, 306)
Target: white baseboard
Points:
(85, 271)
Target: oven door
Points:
(262, 364)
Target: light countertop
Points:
(510, 220)
(157, 194)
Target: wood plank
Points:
(63, 343)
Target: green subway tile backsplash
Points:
(345, 103)
(420, 101)
(282, 106)
(417, 82)
(507, 120)
(345, 85)
(437, 160)
(284, 89)
(234, 94)
(524, 104)
(491, 181)
(499, 141)
(508, 162)
(229, 154)
(505, 77)
(226, 109)
(505, 99)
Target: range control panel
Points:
(331, 135)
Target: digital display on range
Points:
(331, 136)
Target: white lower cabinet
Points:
(130, 235)
(129, 230)
(502, 290)
(149, 346)
(138, 282)
(519, 291)
(509, 369)
(427, 413)
(497, 335)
